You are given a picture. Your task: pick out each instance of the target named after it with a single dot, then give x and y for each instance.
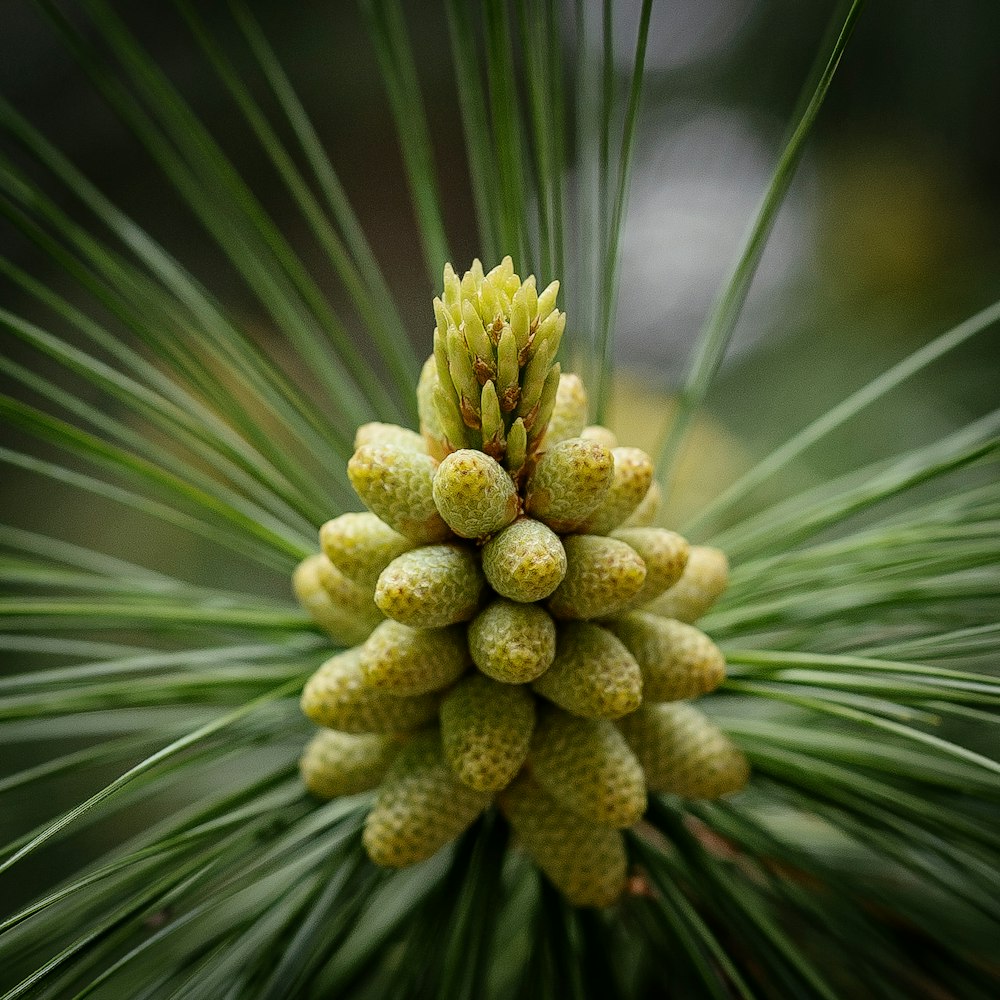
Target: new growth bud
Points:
(495, 344)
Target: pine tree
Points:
(215, 844)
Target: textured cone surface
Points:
(677, 660)
(403, 660)
(585, 861)
(603, 575)
(420, 807)
(665, 554)
(684, 752)
(336, 696)
(397, 485)
(474, 494)
(525, 562)
(645, 514)
(513, 643)
(701, 584)
(569, 482)
(587, 765)
(569, 414)
(376, 433)
(632, 479)
(486, 730)
(430, 587)
(348, 618)
(345, 763)
(361, 546)
(593, 675)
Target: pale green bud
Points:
(665, 554)
(677, 661)
(633, 476)
(430, 587)
(397, 485)
(587, 765)
(513, 643)
(494, 439)
(421, 806)
(452, 286)
(474, 494)
(520, 318)
(532, 382)
(645, 513)
(441, 363)
(603, 575)
(348, 614)
(431, 429)
(529, 292)
(376, 433)
(684, 752)
(538, 419)
(525, 562)
(508, 372)
(460, 366)
(593, 675)
(585, 861)
(480, 346)
(517, 447)
(569, 414)
(495, 274)
(547, 301)
(345, 763)
(361, 546)
(471, 281)
(486, 731)
(489, 302)
(443, 321)
(336, 696)
(549, 333)
(402, 660)
(705, 577)
(595, 432)
(568, 483)
(450, 419)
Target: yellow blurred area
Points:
(710, 460)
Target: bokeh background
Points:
(890, 235)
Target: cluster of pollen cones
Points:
(519, 633)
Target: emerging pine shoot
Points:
(509, 546)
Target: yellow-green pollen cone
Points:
(518, 625)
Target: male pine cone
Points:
(536, 650)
